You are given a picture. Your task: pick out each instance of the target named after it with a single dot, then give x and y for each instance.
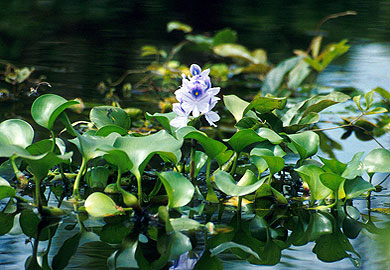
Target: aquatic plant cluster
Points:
(180, 197)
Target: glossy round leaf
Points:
(377, 161)
(100, 205)
(108, 115)
(16, 132)
(29, 221)
(306, 143)
(47, 108)
(179, 189)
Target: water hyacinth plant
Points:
(152, 192)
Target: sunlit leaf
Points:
(89, 145)
(377, 161)
(100, 205)
(141, 149)
(235, 105)
(266, 104)
(234, 51)
(47, 108)
(179, 189)
(247, 184)
(306, 143)
(16, 132)
(174, 25)
(243, 138)
(108, 115)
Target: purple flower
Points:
(196, 97)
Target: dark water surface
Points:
(77, 44)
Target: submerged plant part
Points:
(196, 97)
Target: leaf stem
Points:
(76, 185)
(239, 203)
(233, 170)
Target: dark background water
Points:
(76, 44)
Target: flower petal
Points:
(212, 117)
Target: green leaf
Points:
(66, 251)
(306, 143)
(333, 165)
(114, 233)
(321, 223)
(118, 158)
(377, 110)
(89, 146)
(247, 184)
(108, 115)
(377, 161)
(297, 116)
(211, 147)
(369, 97)
(16, 132)
(163, 119)
(274, 78)
(124, 258)
(179, 189)
(275, 164)
(332, 247)
(231, 246)
(243, 138)
(141, 149)
(234, 51)
(30, 221)
(40, 167)
(97, 177)
(270, 135)
(355, 187)
(267, 190)
(200, 161)
(6, 192)
(108, 129)
(225, 36)
(174, 25)
(266, 104)
(311, 175)
(47, 108)
(184, 224)
(356, 99)
(235, 106)
(384, 93)
(331, 180)
(100, 205)
(298, 74)
(354, 167)
(6, 221)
